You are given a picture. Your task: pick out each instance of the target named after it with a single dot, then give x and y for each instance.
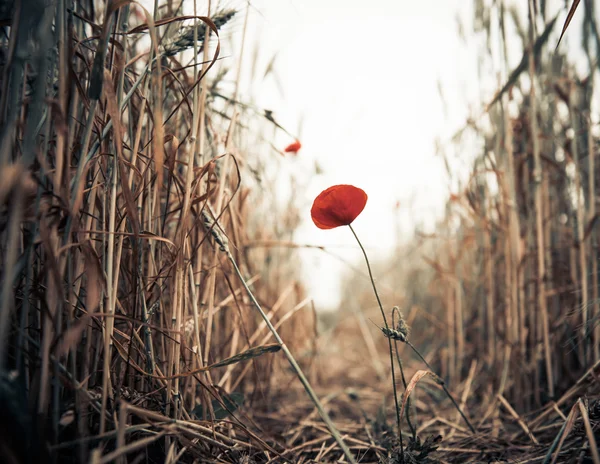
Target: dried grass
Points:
(129, 329)
(126, 164)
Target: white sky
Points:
(358, 82)
(360, 87)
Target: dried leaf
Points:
(420, 374)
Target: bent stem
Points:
(389, 341)
(214, 228)
(313, 396)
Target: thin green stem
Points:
(389, 340)
(215, 230)
(313, 396)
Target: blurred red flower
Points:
(293, 147)
(338, 205)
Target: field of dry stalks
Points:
(147, 314)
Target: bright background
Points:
(371, 89)
(358, 83)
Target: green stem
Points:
(313, 396)
(389, 340)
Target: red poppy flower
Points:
(338, 205)
(293, 147)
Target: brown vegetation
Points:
(135, 241)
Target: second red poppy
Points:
(293, 147)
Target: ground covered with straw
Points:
(150, 303)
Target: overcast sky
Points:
(360, 86)
(358, 82)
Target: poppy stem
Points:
(389, 340)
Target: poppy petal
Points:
(293, 147)
(338, 205)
